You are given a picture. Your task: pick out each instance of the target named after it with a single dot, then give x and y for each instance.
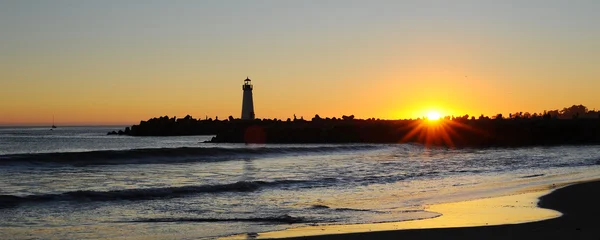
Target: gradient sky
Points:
(118, 62)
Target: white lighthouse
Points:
(247, 102)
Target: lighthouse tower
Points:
(247, 102)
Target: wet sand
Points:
(579, 205)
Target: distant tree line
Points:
(572, 125)
(573, 112)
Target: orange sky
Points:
(119, 63)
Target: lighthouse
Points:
(247, 102)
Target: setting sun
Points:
(433, 115)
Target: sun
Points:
(433, 116)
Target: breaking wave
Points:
(275, 219)
(7, 201)
(167, 155)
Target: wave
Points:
(275, 219)
(7, 201)
(325, 207)
(166, 155)
(532, 176)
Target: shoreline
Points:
(550, 211)
(459, 132)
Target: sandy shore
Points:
(579, 205)
(569, 212)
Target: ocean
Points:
(79, 183)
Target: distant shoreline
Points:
(459, 132)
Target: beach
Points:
(577, 203)
(299, 119)
(79, 183)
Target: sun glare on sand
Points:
(433, 116)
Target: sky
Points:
(119, 62)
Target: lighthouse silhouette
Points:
(247, 102)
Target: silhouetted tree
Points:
(574, 111)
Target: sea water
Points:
(78, 183)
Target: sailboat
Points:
(53, 126)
